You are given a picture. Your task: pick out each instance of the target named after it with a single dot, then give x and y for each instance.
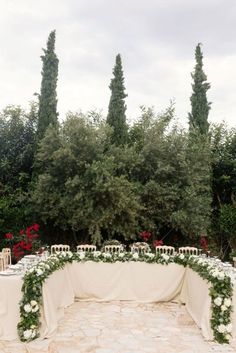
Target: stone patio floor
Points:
(123, 327)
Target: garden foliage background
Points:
(81, 185)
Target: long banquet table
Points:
(91, 281)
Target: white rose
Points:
(33, 333)
(54, 258)
(181, 256)
(151, 255)
(96, 253)
(135, 255)
(31, 270)
(165, 257)
(227, 302)
(81, 255)
(229, 328)
(27, 334)
(215, 273)
(63, 254)
(27, 308)
(121, 254)
(227, 337)
(32, 326)
(47, 267)
(221, 275)
(221, 328)
(218, 301)
(33, 302)
(70, 254)
(223, 308)
(107, 255)
(35, 308)
(39, 271)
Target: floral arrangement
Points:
(29, 325)
(220, 291)
(157, 243)
(24, 243)
(140, 245)
(145, 235)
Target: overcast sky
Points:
(156, 39)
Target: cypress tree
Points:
(116, 111)
(48, 95)
(198, 118)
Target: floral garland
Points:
(221, 289)
(221, 292)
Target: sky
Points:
(156, 40)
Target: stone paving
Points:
(122, 327)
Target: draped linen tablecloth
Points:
(195, 294)
(137, 281)
(57, 294)
(93, 281)
(10, 296)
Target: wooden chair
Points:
(86, 248)
(7, 253)
(189, 250)
(57, 248)
(165, 249)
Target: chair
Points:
(7, 253)
(140, 248)
(189, 250)
(165, 249)
(86, 248)
(57, 248)
(2, 262)
(113, 249)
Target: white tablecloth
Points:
(57, 294)
(126, 281)
(106, 282)
(10, 296)
(195, 293)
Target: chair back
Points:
(57, 248)
(165, 249)
(189, 250)
(7, 253)
(113, 249)
(140, 248)
(86, 248)
(2, 261)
